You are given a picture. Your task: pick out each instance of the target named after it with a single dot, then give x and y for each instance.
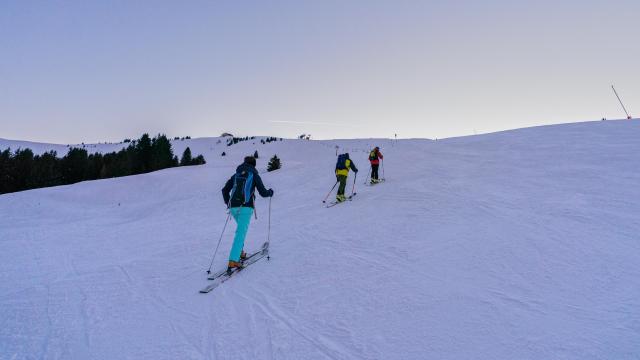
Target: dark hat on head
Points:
(250, 160)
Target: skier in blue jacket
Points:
(239, 194)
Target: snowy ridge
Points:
(61, 150)
(206, 146)
(513, 245)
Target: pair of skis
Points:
(222, 276)
(369, 183)
(335, 202)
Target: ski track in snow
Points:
(513, 245)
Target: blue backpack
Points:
(342, 162)
(242, 186)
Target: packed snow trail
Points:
(513, 245)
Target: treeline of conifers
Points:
(22, 170)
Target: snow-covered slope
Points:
(514, 245)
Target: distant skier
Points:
(342, 173)
(374, 158)
(238, 194)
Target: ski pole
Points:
(382, 169)
(353, 190)
(219, 241)
(368, 174)
(269, 226)
(330, 191)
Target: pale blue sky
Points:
(74, 71)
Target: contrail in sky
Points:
(310, 123)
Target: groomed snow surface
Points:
(515, 245)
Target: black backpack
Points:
(373, 155)
(342, 162)
(242, 188)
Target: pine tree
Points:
(186, 157)
(198, 160)
(142, 160)
(74, 166)
(6, 167)
(274, 163)
(96, 162)
(161, 153)
(255, 154)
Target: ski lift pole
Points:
(621, 104)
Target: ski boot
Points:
(234, 265)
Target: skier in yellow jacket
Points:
(342, 172)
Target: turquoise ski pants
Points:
(242, 216)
